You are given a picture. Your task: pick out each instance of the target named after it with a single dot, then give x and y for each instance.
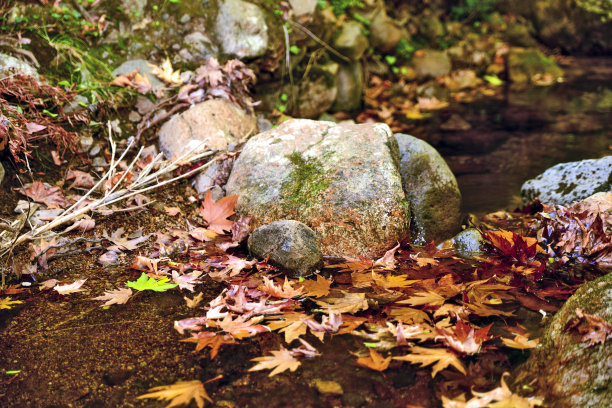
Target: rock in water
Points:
(431, 190)
(567, 183)
(565, 370)
(242, 29)
(211, 124)
(291, 246)
(341, 180)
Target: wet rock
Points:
(385, 33)
(351, 41)
(531, 66)
(327, 387)
(291, 246)
(431, 191)
(519, 35)
(430, 26)
(341, 180)
(565, 370)
(211, 124)
(574, 26)
(9, 63)
(350, 88)
(567, 183)
(431, 64)
(469, 243)
(143, 67)
(241, 29)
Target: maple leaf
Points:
(463, 338)
(52, 197)
(81, 179)
(115, 296)
(355, 264)
(146, 283)
(135, 80)
(423, 261)
(374, 361)
(430, 103)
(172, 211)
(180, 393)
(387, 261)
(142, 263)
(203, 234)
(294, 331)
(345, 303)
(428, 298)
(520, 342)
(408, 314)
(392, 281)
(280, 360)
(209, 339)
(186, 280)
(7, 303)
(211, 73)
(240, 327)
(166, 73)
(427, 356)
(292, 325)
(123, 242)
(329, 324)
(233, 266)
(287, 291)
(317, 288)
(71, 287)
(500, 397)
(484, 310)
(216, 214)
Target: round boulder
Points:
(291, 246)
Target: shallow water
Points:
(523, 132)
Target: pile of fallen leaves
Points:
(31, 111)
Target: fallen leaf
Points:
(180, 393)
(216, 214)
(428, 298)
(594, 329)
(193, 303)
(70, 288)
(374, 361)
(81, 179)
(172, 211)
(317, 288)
(7, 302)
(209, 339)
(345, 303)
(440, 357)
(287, 291)
(52, 197)
(115, 296)
(280, 360)
(166, 73)
(520, 342)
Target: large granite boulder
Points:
(241, 29)
(565, 370)
(567, 183)
(342, 181)
(212, 124)
(431, 191)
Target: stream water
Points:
(518, 135)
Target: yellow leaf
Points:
(166, 73)
(521, 342)
(345, 303)
(424, 298)
(428, 356)
(317, 288)
(180, 393)
(7, 303)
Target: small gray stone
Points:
(385, 33)
(350, 88)
(303, 7)
(567, 183)
(143, 67)
(134, 116)
(242, 29)
(8, 62)
(291, 246)
(352, 42)
(469, 243)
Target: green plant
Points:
(341, 6)
(405, 49)
(470, 10)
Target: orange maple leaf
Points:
(374, 361)
(216, 214)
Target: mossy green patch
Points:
(307, 180)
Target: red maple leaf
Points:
(216, 214)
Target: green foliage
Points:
(146, 283)
(341, 6)
(307, 179)
(405, 49)
(493, 80)
(294, 49)
(473, 9)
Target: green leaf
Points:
(146, 283)
(493, 80)
(391, 59)
(294, 49)
(53, 115)
(9, 372)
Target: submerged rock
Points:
(567, 183)
(241, 29)
(469, 243)
(565, 370)
(431, 191)
(341, 180)
(291, 246)
(531, 66)
(211, 124)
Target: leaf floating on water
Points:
(280, 360)
(440, 357)
(115, 296)
(147, 283)
(374, 361)
(8, 303)
(70, 288)
(180, 393)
